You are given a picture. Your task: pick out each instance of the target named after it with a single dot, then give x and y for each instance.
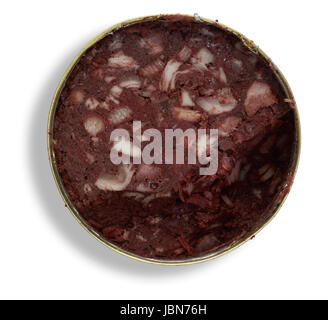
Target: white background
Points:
(44, 253)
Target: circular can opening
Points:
(204, 122)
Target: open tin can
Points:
(279, 198)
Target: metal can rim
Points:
(280, 198)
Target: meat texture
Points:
(173, 72)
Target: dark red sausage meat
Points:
(173, 73)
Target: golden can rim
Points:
(279, 199)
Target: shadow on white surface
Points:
(53, 206)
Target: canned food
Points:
(173, 139)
